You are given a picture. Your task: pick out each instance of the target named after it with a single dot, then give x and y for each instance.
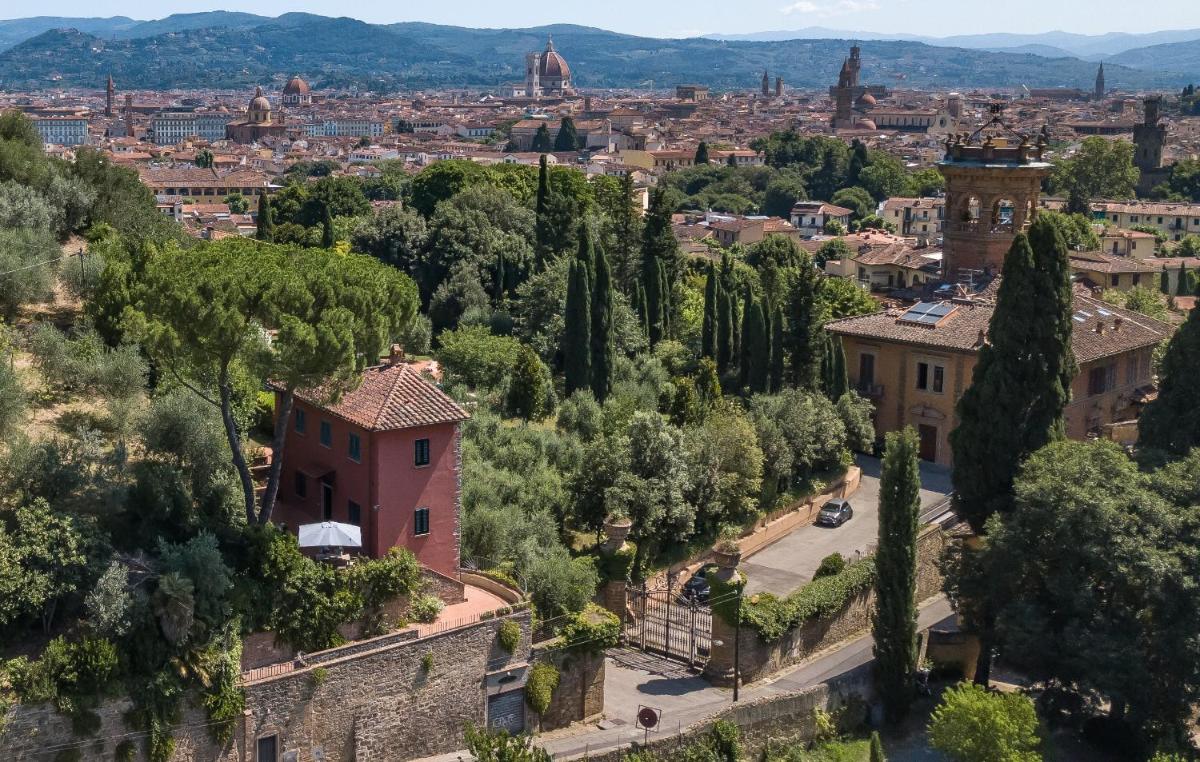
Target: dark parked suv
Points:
(835, 513)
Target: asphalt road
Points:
(787, 564)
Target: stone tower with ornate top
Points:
(993, 179)
(1098, 93)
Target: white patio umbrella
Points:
(330, 534)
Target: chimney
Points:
(982, 339)
(396, 354)
(1117, 321)
(1100, 327)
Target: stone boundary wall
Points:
(787, 717)
(372, 704)
(580, 692)
(759, 658)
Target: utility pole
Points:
(737, 645)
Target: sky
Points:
(693, 17)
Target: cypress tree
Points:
(805, 344)
(1014, 403)
(1164, 281)
(1171, 423)
(567, 138)
(327, 239)
(541, 140)
(602, 343)
(266, 219)
(859, 160)
(701, 153)
(625, 255)
(643, 314)
(500, 276)
(725, 329)
(778, 350)
(731, 161)
(1019, 387)
(708, 330)
(833, 368)
(576, 348)
(659, 251)
(1183, 285)
(756, 347)
(542, 232)
(894, 621)
(876, 748)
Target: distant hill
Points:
(336, 52)
(1055, 44)
(15, 31)
(1045, 51)
(1176, 56)
(180, 22)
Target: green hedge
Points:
(509, 635)
(723, 596)
(591, 630)
(539, 688)
(772, 617)
(616, 567)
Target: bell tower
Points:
(993, 179)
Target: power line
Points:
(39, 264)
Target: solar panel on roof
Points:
(1078, 319)
(1104, 312)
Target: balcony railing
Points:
(869, 390)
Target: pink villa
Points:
(385, 457)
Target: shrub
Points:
(319, 675)
(973, 724)
(425, 608)
(831, 565)
(772, 616)
(126, 751)
(509, 635)
(539, 688)
(592, 630)
(427, 662)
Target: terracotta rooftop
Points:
(1100, 262)
(391, 396)
(1096, 330)
(1143, 207)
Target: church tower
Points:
(766, 85)
(993, 179)
(778, 86)
(1098, 93)
(110, 93)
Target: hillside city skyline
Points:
(679, 20)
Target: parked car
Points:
(835, 513)
(697, 588)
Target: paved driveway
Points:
(787, 564)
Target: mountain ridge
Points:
(337, 52)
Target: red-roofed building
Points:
(385, 456)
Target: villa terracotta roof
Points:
(1099, 329)
(1142, 207)
(391, 396)
(1100, 262)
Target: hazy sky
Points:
(679, 19)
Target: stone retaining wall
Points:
(372, 701)
(760, 658)
(580, 692)
(786, 717)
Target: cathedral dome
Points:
(866, 100)
(259, 102)
(553, 65)
(296, 86)
(865, 124)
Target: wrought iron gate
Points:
(668, 623)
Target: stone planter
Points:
(616, 531)
(727, 556)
